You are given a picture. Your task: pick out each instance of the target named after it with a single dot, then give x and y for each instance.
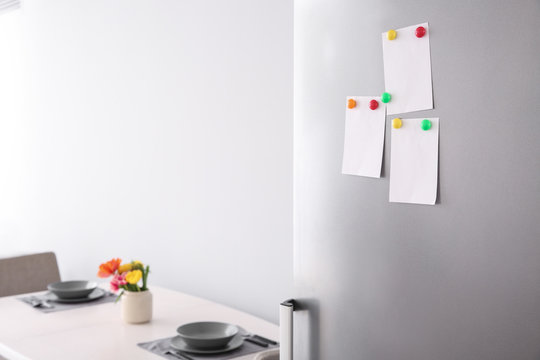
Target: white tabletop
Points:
(97, 332)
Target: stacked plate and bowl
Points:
(207, 337)
(75, 291)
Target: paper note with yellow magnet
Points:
(414, 162)
(407, 70)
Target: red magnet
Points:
(420, 31)
(373, 104)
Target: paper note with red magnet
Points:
(365, 125)
(406, 56)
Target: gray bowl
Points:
(72, 289)
(207, 334)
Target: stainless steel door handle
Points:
(286, 310)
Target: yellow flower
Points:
(137, 265)
(123, 268)
(134, 276)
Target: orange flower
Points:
(108, 268)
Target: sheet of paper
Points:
(407, 70)
(414, 159)
(364, 137)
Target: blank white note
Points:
(414, 158)
(407, 70)
(364, 137)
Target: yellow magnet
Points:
(351, 104)
(391, 34)
(396, 123)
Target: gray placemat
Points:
(160, 346)
(107, 298)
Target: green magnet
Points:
(426, 124)
(386, 97)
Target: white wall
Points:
(152, 130)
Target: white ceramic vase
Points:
(136, 307)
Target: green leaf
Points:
(145, 277)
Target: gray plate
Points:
(179, 344)
(94, 295)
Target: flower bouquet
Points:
(132, 279)
(125, 276)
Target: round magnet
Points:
(386, 97)
(391, 34)
(373, 104)
(420, 31)
(396, 123)
(426, 124)
(351, 104)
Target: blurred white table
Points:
(97, 332)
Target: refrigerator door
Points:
(384, 281)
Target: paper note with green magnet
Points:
(364, 136)
(414, 160)
(407, 69)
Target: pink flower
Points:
(117, 281)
